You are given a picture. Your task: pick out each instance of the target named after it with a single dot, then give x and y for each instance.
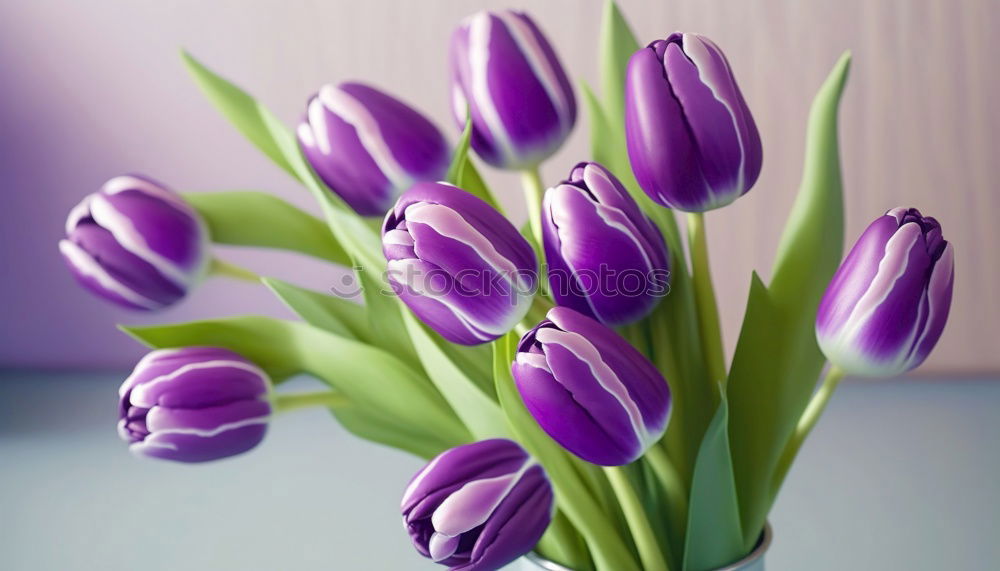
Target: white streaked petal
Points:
(317, 132)
(527, 42)
(141, 394)
(443, 546)
(535, 360)
(127, 182)
(89, 267)
(353, 112)
(696, 50)
(129, 237)
(585, 351)
(78, 213)
(941, 277)
(471, 505)
(152, 417)
(480, 29)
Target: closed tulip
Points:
(606, 258)
(369, 147)
(460, 265)
(194, 405)
(887, 305)
(590, 390)
(479, 506)
(691, 139)
(507, 78)
(136, 243)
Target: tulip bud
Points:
(590, 390)
(691, 139)
(606, 258)
(458, 263)
(887, 304)
(194, 405)
(478, 506)
(369, 147)
(136, 243)
(507, 78)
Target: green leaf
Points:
(388, 398)
(241, 110)
(334, 314)
(463, 174)
(480, 413)
(714, 538)
(777, 361)
(617, 44)
(572, 495)
(249, 218)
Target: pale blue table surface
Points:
(898, 475)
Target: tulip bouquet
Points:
(566, 381)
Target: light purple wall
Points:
(92, 89)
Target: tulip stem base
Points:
(534, 189)
(650, 553)
(708, 311)
(220, 268)
(806, 423)
(295, 401)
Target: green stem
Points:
(295, 401)
(638, 523)
(220, 268)
(562, 544)
(708, 312)
(673, 484)
(531, 182)
(806, 423)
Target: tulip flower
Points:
(478, 506)
(507, 78)
(606, 258)
(590, 390)
(194, 405)
(691, 139)
(887, 304)
(458, 263)
(369, 147)
(136, 244)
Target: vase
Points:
(752, 562)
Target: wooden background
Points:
(95, 88)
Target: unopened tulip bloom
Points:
(369, 147)
(606, 258)
(887, 305)
(194, 405)
(478, 506)
(136, 243)
(507, 78)
(460, 265)
(590, 390)
(691, 139)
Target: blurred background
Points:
(94, 89)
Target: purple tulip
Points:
(194, 405)
(506, 76)
(886, 306)
(590, 390)
(478, 506)
(136, 243)
(691, 139)
(458, 263)
(606, 258)
(369, 147)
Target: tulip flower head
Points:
(136, 244)
(194, 405)
(590, 390)
(507, 78)
(606, 258)
(887, 305)
(479, 506)
(369, 147)
(691, 139)
(460, 265)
